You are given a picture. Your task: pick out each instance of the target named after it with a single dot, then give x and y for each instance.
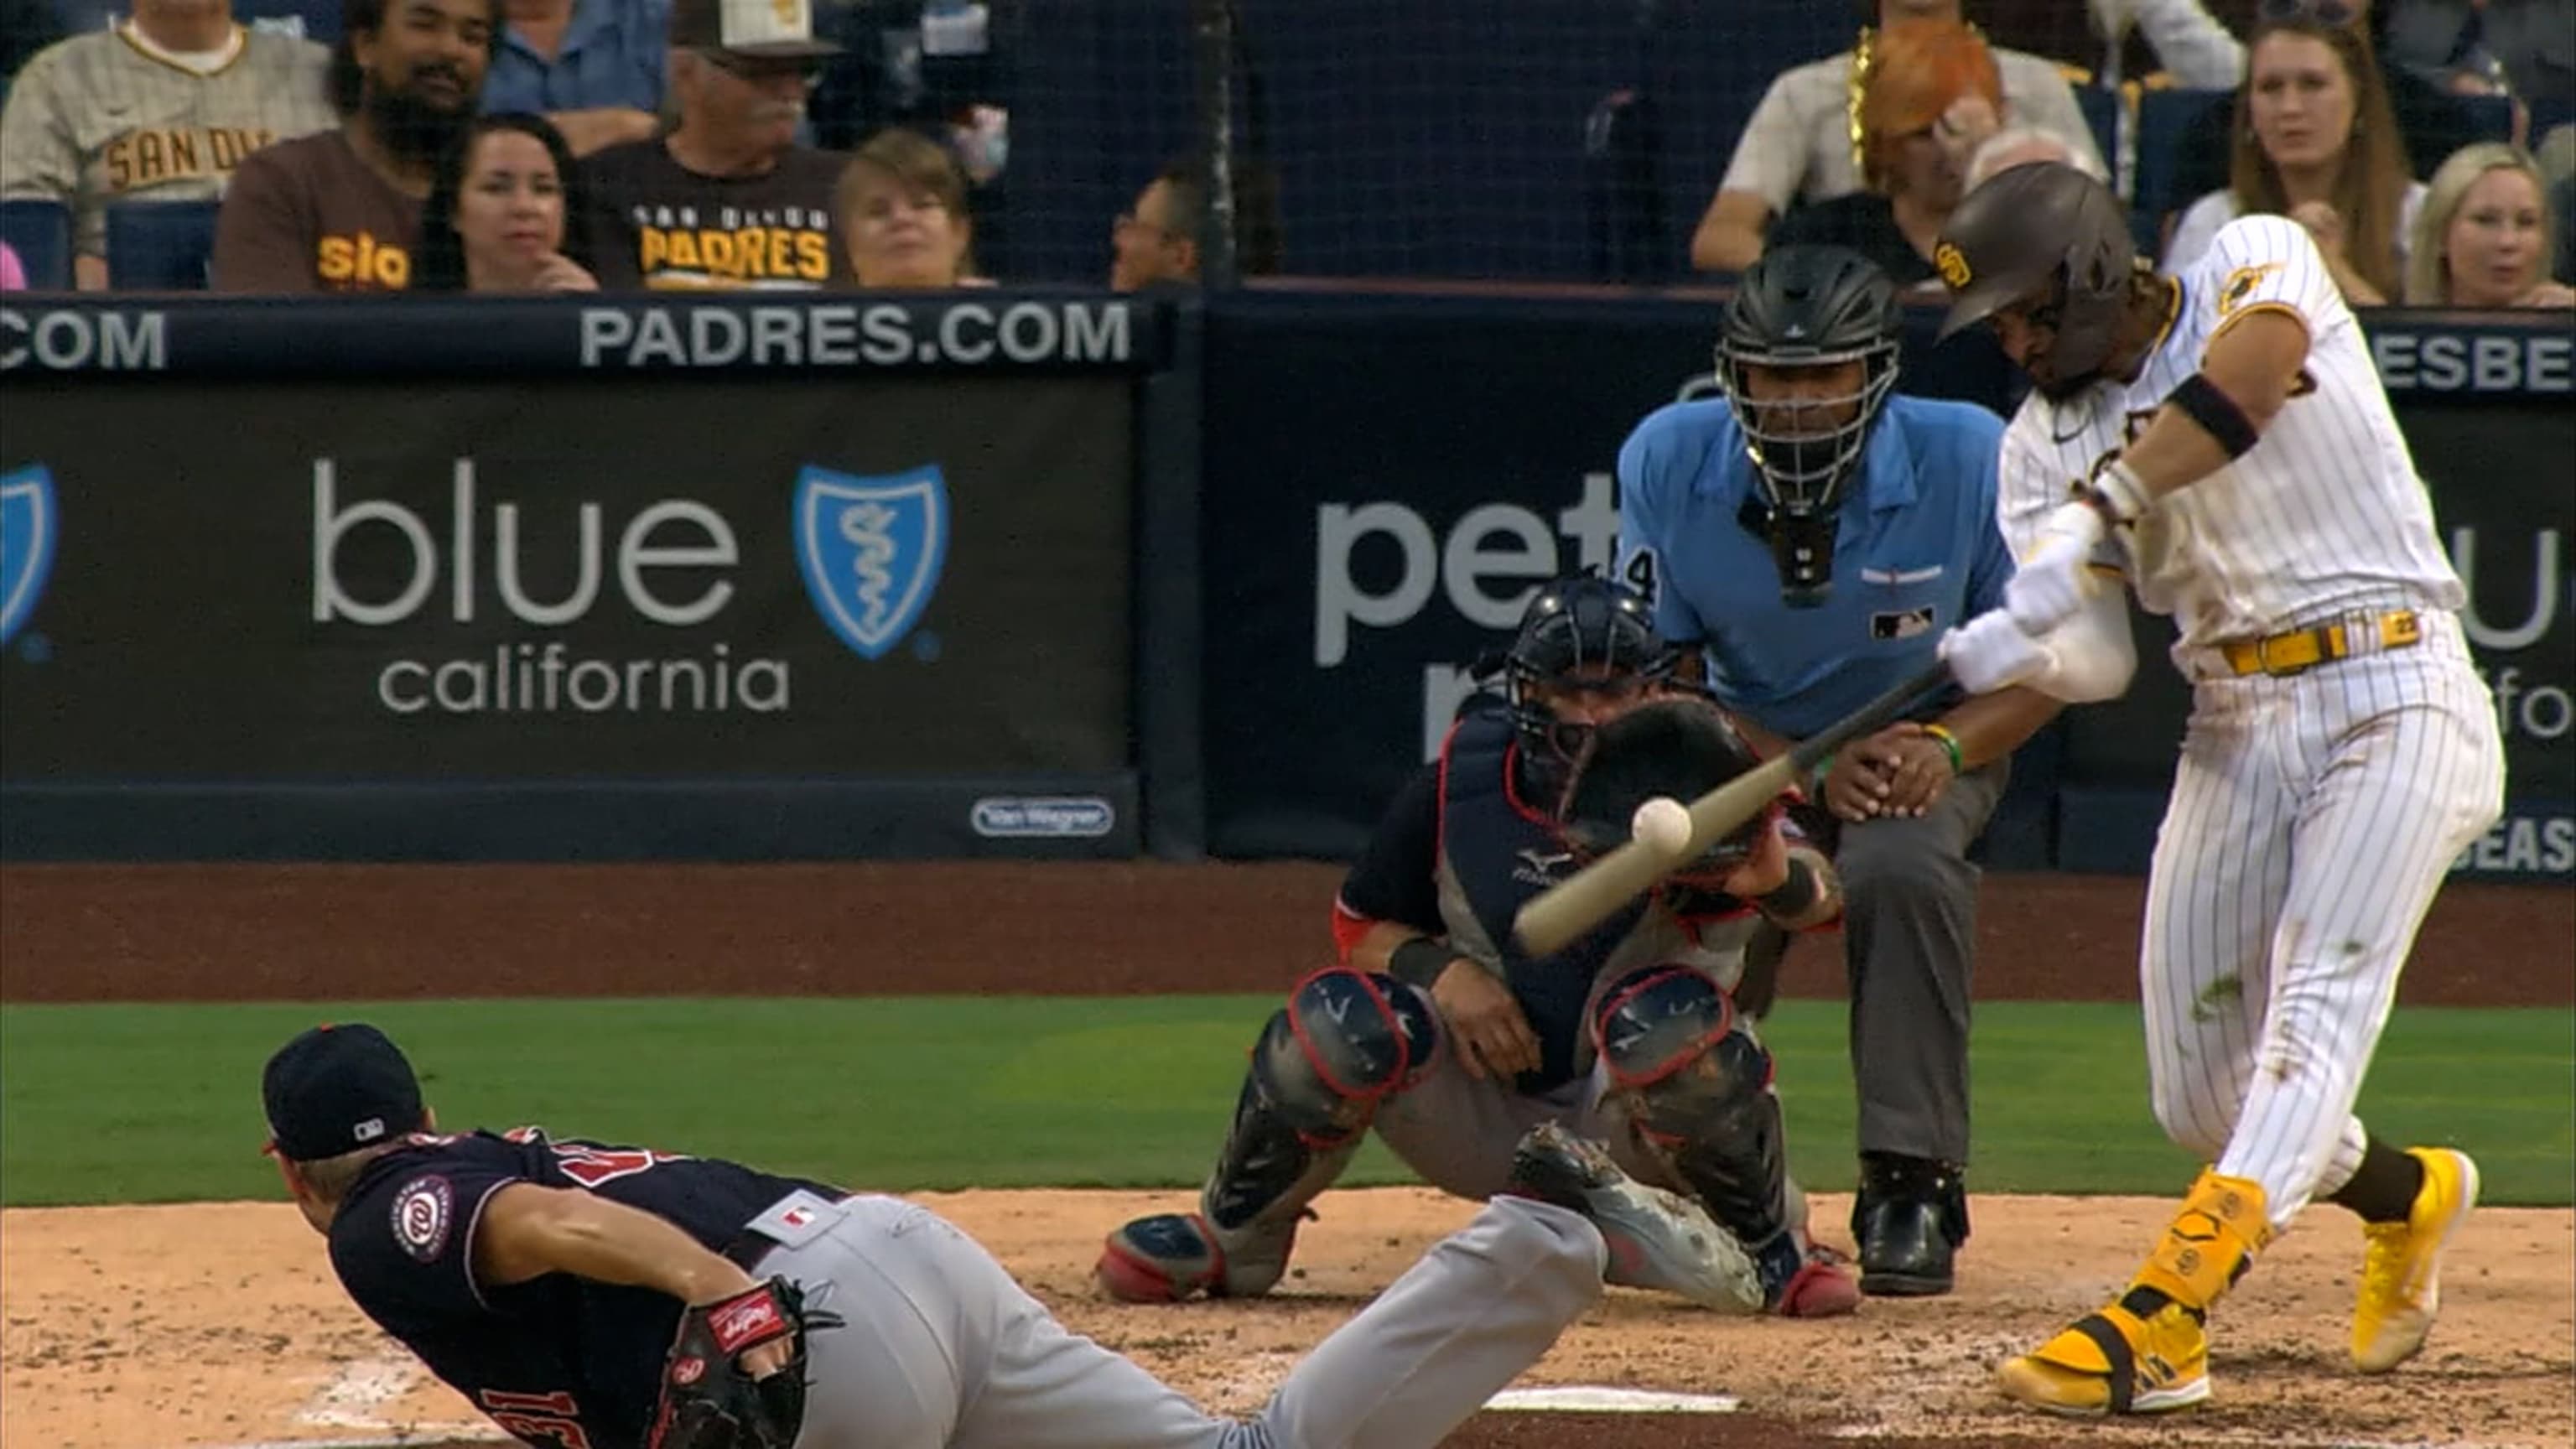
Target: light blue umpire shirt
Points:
(1918, 551)
(612, 55)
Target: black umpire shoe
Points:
(1910, 1218)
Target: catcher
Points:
(597, 1297)
(1436, 1030)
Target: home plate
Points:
(1596, 1400)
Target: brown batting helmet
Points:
(2041, 228)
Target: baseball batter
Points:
(2222, 439)
(592, 1296)
(1437, 1030)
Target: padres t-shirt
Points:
(310, 216)
(655, 223)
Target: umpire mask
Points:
(1808, 356)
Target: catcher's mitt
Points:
(708, 1402)
(1679, 746)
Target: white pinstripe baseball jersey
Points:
(2324, 516)
(2313, 814)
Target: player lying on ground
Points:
(1436, 1030)
(2222, 440)
(603, 1297)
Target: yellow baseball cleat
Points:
(2401, 1271)
(2113, 1362)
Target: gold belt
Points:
(2301, 650)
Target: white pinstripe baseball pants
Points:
(2312, 820)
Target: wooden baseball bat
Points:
(1554, 917)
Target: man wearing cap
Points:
(2220, 440)
(543, 1278)
(727, 200)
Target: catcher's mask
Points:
(1681, 748)
(1587, 648)
(1822, 323)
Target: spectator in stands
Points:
(340, 212)
(1799, 145)
(2180, 39)
(1156, 242)
(164, 106)
(2431, 122)
(13, 273)
(901, 208)
(592, 67)
(2485, 47)
(501, 214)
(1931, 99)
(727, 199)
(2483, 239)
(2315, 142)
(2021, 146)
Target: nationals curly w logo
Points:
(28, 526)
(871, 550)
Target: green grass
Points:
(161, 1103)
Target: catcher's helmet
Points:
(1808, 306)
(2042, 230)
(1582, 632)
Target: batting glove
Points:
(2055, 575)
(1990, 652)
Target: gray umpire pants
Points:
(1909, 952)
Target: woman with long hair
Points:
(2483, 239)
(504, 212)
(2314, 140)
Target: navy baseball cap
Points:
(335, 1089)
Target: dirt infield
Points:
(216, 1325)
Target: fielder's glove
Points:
(1680, 747)
(708, 1402)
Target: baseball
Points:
(1663, 823)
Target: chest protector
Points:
(1497, 851)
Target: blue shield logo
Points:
(871, 551)
(28, 524)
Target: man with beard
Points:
(727, 199)
(340, 212)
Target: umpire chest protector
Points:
(1496, 852)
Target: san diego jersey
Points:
(2325, 515)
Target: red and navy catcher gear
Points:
(1346, 1041)
(1580, 633)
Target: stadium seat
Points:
(2164, 116)
(160, 246)
(40, 232)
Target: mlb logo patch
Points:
(1901, 623)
